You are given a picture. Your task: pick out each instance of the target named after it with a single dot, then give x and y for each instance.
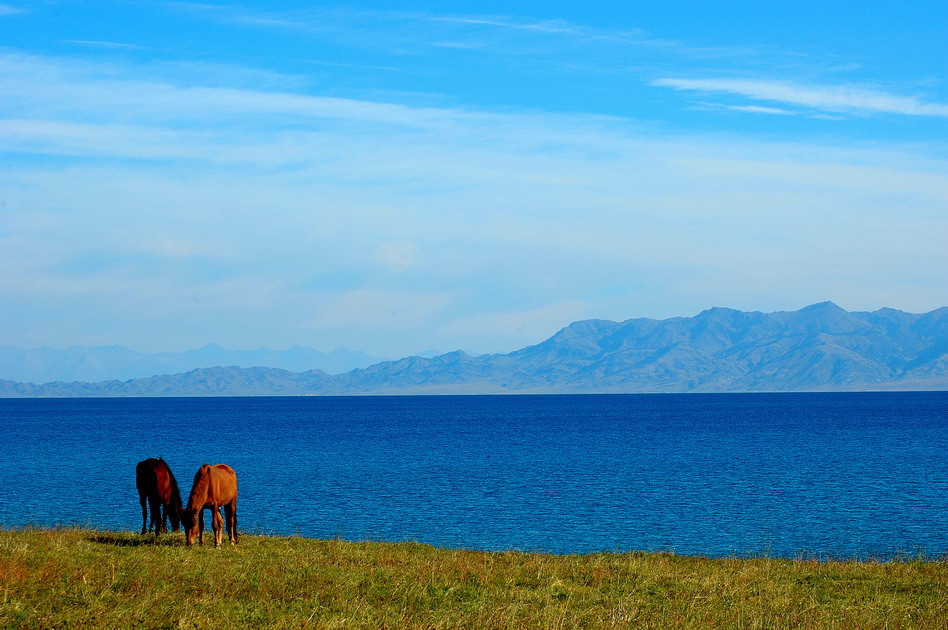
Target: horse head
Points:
(175, 512)
(189, 520)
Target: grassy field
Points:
(77, 578)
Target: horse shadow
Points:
(127, 540)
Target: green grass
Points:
(76, 578)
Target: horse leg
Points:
(164, 516)
(156, 517)
(230, 513)
(144, 502)
(201, 526)
(218, 524)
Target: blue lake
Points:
(826, 475)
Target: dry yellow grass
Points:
(86, 579)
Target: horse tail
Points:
(144, 480)
(174, 513)
(140, 477)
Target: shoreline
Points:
(170, 538)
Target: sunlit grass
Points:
(84, 578)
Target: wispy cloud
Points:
(559, 27)
(560, 46)
(99, 44)
(852, 99)
(544, 27)
(6, 9)
(759, 109)
(490, 33)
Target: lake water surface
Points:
(829, 475)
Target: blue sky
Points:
(414, 176)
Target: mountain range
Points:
(43, 365)
(818, 348)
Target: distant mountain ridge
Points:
(43, 365)
(818, 348)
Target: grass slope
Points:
(77, 578)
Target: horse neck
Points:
(198, 496)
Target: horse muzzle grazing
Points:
(189, 521)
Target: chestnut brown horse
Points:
(214, 487)
(158, 488)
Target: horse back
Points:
(213, 485)
(154, 478)
(224, 481)
(146, 479)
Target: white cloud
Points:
(759, 109)
(833, 98)
(6, 9)
(550, 27)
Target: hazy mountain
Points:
(43, 365)
(821, 347)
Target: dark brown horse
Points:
(214, 487)
(158, 488)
